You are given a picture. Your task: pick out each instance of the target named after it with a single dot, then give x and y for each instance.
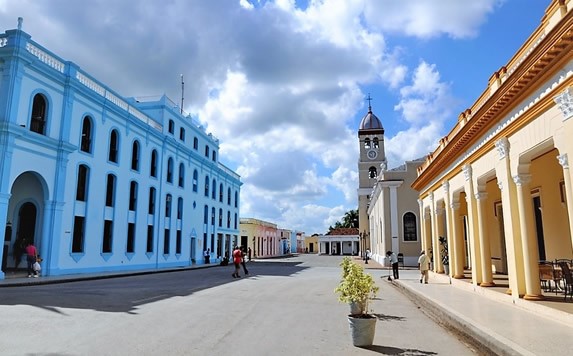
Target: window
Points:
(179, 208)
(366, 143)
(149, 247)
(107, 236)
(168, 206)
(221, 192)
(206, 215)
(207, 151)
(228, 219)
(372, 172)
(214, 190)
(130, 248)
(110, 190)
(171, 127)
(153, 171)
(235, 221)
(410, 228)
(213, 216)
(220, 217)
(195, 143)
(86, 141)
(78, 238)
(152, 193)
(375, 143)
(170, 170)
(82, 188)
(214, 156)
(132, 196)
(182, 134)
(181, 182)
(135, 156)
(195, 180)
(229, 196)
(113, 146)
(236, 199)
(207, 186)
(166, 242)
(178, 243)
(38, 119)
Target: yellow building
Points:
(261, 236)
(498, 186)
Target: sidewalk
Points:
(489, 318)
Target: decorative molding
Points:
(563, 161)
(467, 169)
(455, 205)
(500, 185)
(446, 186)
(481, 195)
(502, 146)
(431, 196)
(521, 179)
(565, 103)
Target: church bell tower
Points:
(371, 161)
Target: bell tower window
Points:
(367, 143)
(372, 172)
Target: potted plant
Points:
(357, 288)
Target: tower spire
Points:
(369, 106)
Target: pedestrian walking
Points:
(32, 253)
(367, 256)
(207, 256)
(237, 257)
(424, 266)
(394, 262)
(249, 253)
(243, 262)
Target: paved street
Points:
(285, 307)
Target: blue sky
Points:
(282, 83)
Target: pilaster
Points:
(485, 250)
(564, 162)
(472, 226)
(458, 258)
(450, 238)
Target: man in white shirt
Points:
(424, 265)
(394, 262)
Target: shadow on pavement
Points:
(387, 350)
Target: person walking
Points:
(237, 257)
(207, 256)
(249, 253)
(243, 262)
(394, 262)
(424, 266)
(367, 256)
(32, 253)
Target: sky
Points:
(283, 83)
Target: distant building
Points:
(99, 182)
(340, 241)
(263, 237)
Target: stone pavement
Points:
(490, 319)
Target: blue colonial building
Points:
(100, 182)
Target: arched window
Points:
(235, 221)
(168, 206)
(113, 146)
(195, 143)
(110, 191)
(170, 170)
(207, 151)
(229, 196)
(153, 168)
(228, 219)
(181, 181)
(214, 156)
(366, 143)
(195, 180)
(171, 127)
(38, 119)
(375, 142)
(236, 199)
(206, 186)
(372, 172)
(410, 227)
(132, 196)
(221, 192)
(214, 190)
(135, 156)
(179, 208)
(213, 216)
(86, 141)
(220, 217)
(82, 187)
(151, 210)
(206, 215)
(182, 134)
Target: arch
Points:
(113, 154)
(171, 126)
(375, 142)
(38, 117)
(135, 155)
(170, 170)
(372, 173)
(86, 139)
(410, 227)
(181, 180)
(153, 166)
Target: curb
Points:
(483, 339)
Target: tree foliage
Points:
(350, 219)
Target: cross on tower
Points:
(369, 98)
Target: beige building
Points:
(394, 214)
(261, 236)
(498, 187)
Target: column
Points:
(528, 238)
(434, 229)
(564, 162)
(394, 218)
(485, 250)
(440, 214)
(510, 220)
(422, 223)
(449, 232)
(4, 201)
(472, 226)
(458, 238)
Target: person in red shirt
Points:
(31, 259)
(237, 258)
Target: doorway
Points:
(539, 226)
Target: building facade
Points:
(99, 182)
(263, 237)
(340, 241)
(394, 214)
(498, 187)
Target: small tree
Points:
(356, 286)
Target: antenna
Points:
(182, 93)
